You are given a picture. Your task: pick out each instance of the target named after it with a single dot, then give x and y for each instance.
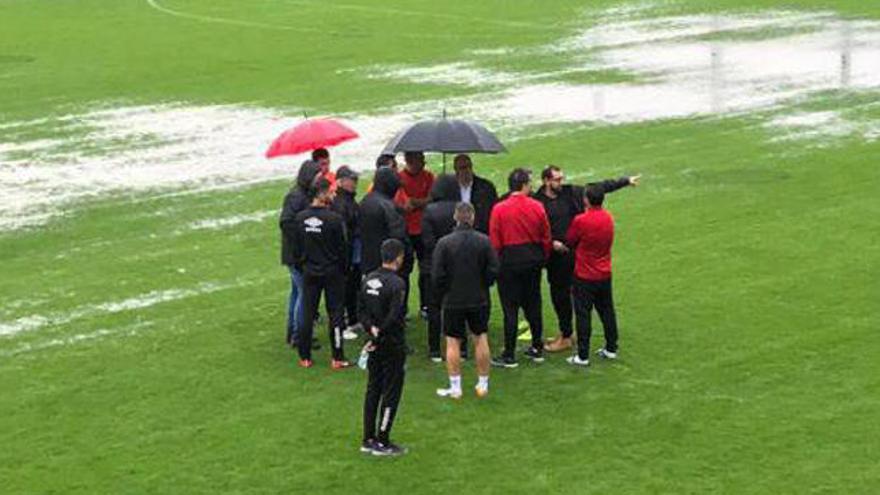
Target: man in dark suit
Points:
(475, 190)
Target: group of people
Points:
(463, 238)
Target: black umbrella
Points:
(445, 136)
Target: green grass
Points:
(745, 278)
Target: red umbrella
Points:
(310, 135)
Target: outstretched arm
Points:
(611, 185)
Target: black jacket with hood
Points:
(296, 200)
(380, 219)
(438, 220)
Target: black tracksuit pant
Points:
(352, 288)
(560, 273)
(384, 389)
(333, 286)
(521, 288)
(409, 264)
(589, 294)
(435, 322)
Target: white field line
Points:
(231, 221)
(305, 29)
(415, 13)
(232, 22)
(29, 347)
(35, 322)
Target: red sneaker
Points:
(305, 363)
(338, 364)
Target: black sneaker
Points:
(504, 362)
(436, 357)
(388, 449)
(536, 355)
(368, 446)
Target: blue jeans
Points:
(295, 306)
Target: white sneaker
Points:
(577, 361)
(606, 354)
(351, 333)
(452, 393)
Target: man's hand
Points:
(634, 180)
(560, 247)
(374, 331)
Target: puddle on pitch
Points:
(684, 66)
(691, 66)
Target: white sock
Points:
(455, 382)
(483, 382)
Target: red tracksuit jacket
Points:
(520, 232)
(591, 234)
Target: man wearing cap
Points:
(346, 205)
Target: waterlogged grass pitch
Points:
(142, 307)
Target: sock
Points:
(483, 382)
(455, 382)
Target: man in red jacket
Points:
(416, 182)
(590, 236)
(520, 233)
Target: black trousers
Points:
(333, 287)
(384, 389)
(521, 288)
(435, 322)
(560, 274)
(409, 264)
(589, 294)
(352, 288)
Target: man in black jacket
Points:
(475, 190)
(382, 314)
(346, 205)
(320, 250)
(296, 200)
(463, 268)
(379, 218)
(563, 202)
(437, 222)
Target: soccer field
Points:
(143, 307)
